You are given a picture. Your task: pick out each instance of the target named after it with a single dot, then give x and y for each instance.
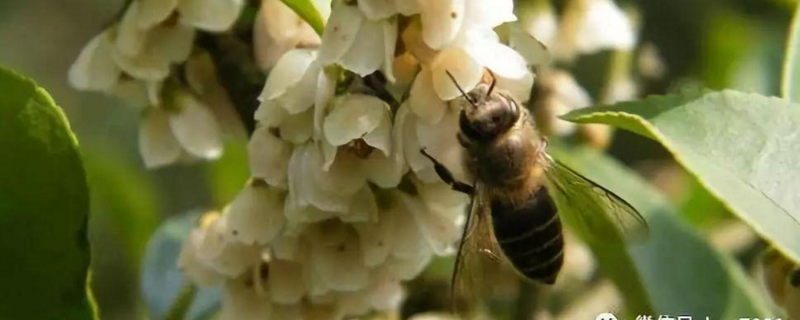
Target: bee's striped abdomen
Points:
(530, 236)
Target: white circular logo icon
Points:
(606, 316)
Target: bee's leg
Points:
(447, 176)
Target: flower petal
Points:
(143, 67)
(173, 44)
(243, 302)
(423, 100)
(407, 7)
(297, 128)
(256, 215)
(377, 9)
(210, 15)
(270, 115)
(363, 207)
(604, 26)
(440, 141)
(195, 128)
(352, 117)
(130, 38)
(410, 268)
(326, 90)
(520, 88)
(95, 69)
(389, 46)
(489, 13)
(437, 228)
(409, 241)
(381, 136)
(269, 157)
(287, 72)
(191, 266)
(157, 144)
(441, 21)
(340, 265)
(361, 57)
(376, 240)
(487, 50)
(466, 71)
(228, 258)
(340, 33)
(153, 12)
(301, 96)
(534, 51)
(384, 171)
(286, 281)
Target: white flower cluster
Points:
(585, 27)
(342, 205)
(134, 59)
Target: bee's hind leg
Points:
(447, 176)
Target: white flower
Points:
(277, 30)
(350, 40)
(539, 21)
(191, 265)
(564, 94)
(242, 301)
(286, 281)
(443, 21)
(157, 143)
(95, 68)
(337, 257)
(256, 215)
(438, 139)
(476, 50)
(195, 127)
(589, 26)
(292, 84)
(209, 15)
(269, 156)
(215, 250)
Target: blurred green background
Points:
(708, 43)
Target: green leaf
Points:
(790, 80)
(163, 284)
(306, 10)
(44, 207)
(674, 271)
(744, 148)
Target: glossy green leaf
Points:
(790, 82)
(744, 148)
(44, 207)
(673, 271)
(308, 12)
(162, 282)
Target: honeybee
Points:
(513, 216)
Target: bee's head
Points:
(487, 113)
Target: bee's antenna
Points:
(464, 94)
(494, 82)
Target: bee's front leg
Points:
(447, 176)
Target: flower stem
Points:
(182, 303)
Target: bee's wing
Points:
(596, 212)
(478, 256)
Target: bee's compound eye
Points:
(466, 127)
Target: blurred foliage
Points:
(44, 208)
